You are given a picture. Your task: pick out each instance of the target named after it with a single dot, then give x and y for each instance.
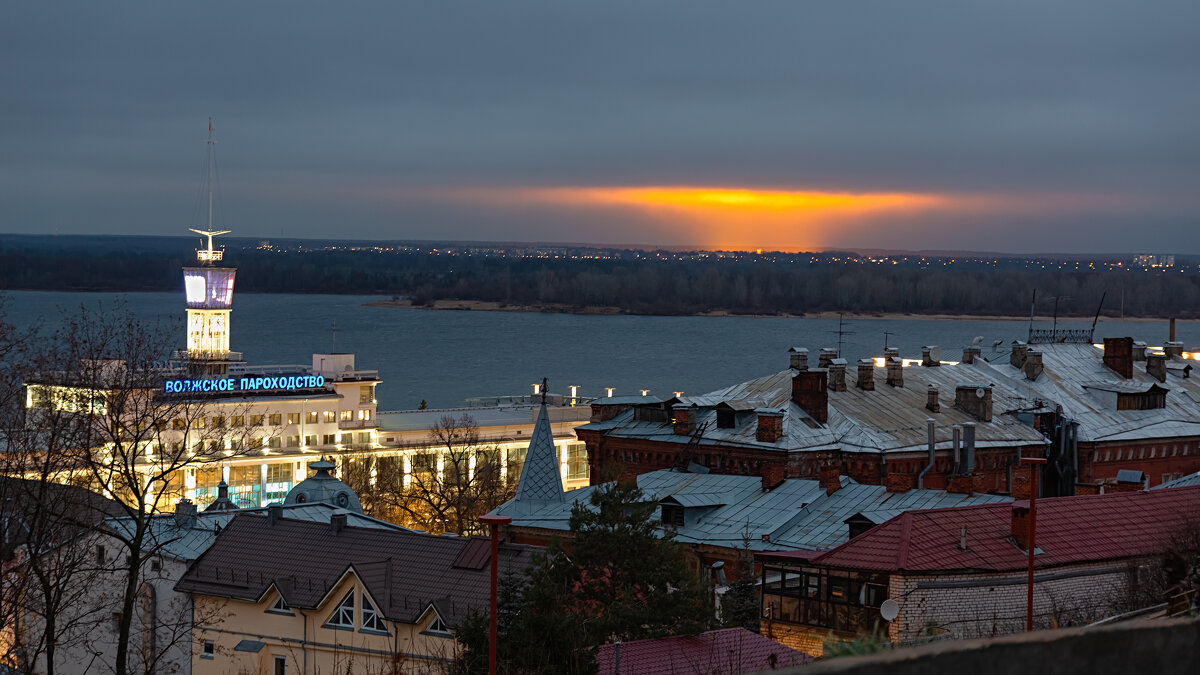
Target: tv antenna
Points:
(841, 332)
(210, 255)
(886, 334)
(333, 330)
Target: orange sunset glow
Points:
(730, 217)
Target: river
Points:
(444, 357)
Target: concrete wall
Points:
(1159, 647)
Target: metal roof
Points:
(495, 416)
(1182, 481)
(736, 512)
(887, 419)
(541, 480)
(1071, 370)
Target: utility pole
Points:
(1034, 464)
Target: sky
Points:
(1017, 126)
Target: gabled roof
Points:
(403, 571)
(796, 514)
(731, 650)
(541, 481)
(1070, 530)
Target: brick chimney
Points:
(866, 375)
(798, 358)
(932, 403)
(830, 478)
(1016, 358)
(685, 419)
(837, 374)
(891, 352)
(1156, 365)
(827, 354)
(895, 371)
(809, 392)
(1033, 364)
(961, 485)
(770, 426)
(1020, 525)
(975, 399)
(970, 353)
(1139, 350)
(773, 476)
(898, 482)
(1173, 349)
(186, 514)
(1020, 485)
(1118, 355)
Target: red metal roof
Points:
(1070, 530)
(730, 650)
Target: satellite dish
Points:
(977, 341)
(980, 392)
(889, 610)
(935, 353)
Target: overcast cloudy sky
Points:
(1018, 126)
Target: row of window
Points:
(254, 443)
(274, 419)
(1143, 453)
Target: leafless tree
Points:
(453, 480)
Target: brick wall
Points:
(983, 605)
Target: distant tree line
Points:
(635, 286)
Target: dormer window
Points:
(372, 620)
(279, 607)
(343, 615)
(438, 627)
(725, 418)
(672, 515)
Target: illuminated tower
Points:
(209, 291)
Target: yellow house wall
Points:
(307, 644)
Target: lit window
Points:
(312, 417)
(293, 418)
(372, 620)
(330, 416)
(347, 415)
(343, 616)
(256, 420)
(275, 442)
(310, 439)
(364, 415)
(276, 419)
(237, 421)
(178, 423)
(293, 441)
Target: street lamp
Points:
(1034, 463)
(494, 523)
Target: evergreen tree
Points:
(620, 580)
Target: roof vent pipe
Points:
(929, 425)
(957, 431)
(969, 446)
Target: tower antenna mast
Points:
(210, 255)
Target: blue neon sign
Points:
(281, 383)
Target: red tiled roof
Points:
(731, 650)
(1070, 530)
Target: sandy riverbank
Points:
(482, 306)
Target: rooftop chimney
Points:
(974, 398)
(798, 358)
(837, 374)
(1173, 349)
(274, 513)
(770, 426)
(930, 356)
(1156, 365)
(827, 354)
(809, 392)
(1033, 364)
(337, 521)
(932, 403)
(1016, 358)
(185, 514)
(1118, 355)
(891, 352)
(830, 478)
(970, 353)
(1020, 525)
(685, 419)
(866, 375)
(1139, 350)
(895, 371)
(773, 476)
